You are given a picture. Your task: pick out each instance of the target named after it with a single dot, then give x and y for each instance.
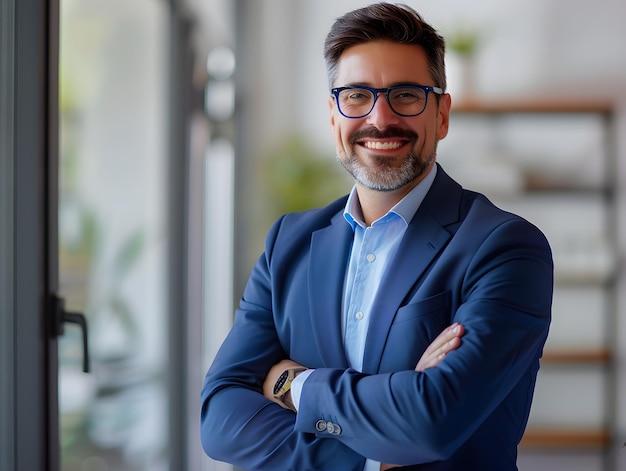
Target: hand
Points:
(272, 376)
(385, 466)
(449, 339)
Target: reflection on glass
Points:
(112, 234)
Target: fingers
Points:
(450, 334)
(447, 341)
(386, 466)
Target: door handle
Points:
(60, 316)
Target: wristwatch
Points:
(283, 385)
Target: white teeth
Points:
(383, 145)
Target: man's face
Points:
(384, 151)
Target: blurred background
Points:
(187, 127)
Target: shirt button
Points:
(359, 316)
(371, 257)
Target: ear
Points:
(331, 109)
(443, 115)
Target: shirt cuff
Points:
(296, 387)
(371, 465)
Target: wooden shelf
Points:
(536, 182)
(532, 106)
(566, 438)
(547, 435)
(586, 278)
(577, 356)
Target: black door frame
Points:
(28, 62)
(29, 51)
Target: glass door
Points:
(113, 234)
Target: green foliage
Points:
(297, 178)
(129, 253)
(463, 41)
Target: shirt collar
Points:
(405, 208)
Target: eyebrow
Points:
(395, 84)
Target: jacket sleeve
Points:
(238, 424)
(408, 417)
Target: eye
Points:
(356, 94)
(407, 95)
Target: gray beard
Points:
(385, 178)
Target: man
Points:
(402, 325)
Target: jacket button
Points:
(320, 426)
(334, 429)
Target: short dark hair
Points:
(385, 21)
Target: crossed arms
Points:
(434, 354)
(415, 414)
(448, 340)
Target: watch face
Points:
(280, 382)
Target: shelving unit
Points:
(576, 190)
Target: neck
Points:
(375, 204)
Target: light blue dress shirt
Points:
(372, 249)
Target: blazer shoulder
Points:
(462, 207)
(482, 214)
(296, 228)
(312, 219)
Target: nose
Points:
(382, 115)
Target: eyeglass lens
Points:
(357, 102)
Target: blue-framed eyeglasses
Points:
(404, 100)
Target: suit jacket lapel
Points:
(330, 250)
(425, 237)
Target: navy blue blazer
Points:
(462, 259)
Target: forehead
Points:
(383, 63)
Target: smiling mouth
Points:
(388, 145)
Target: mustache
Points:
(373, 133)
